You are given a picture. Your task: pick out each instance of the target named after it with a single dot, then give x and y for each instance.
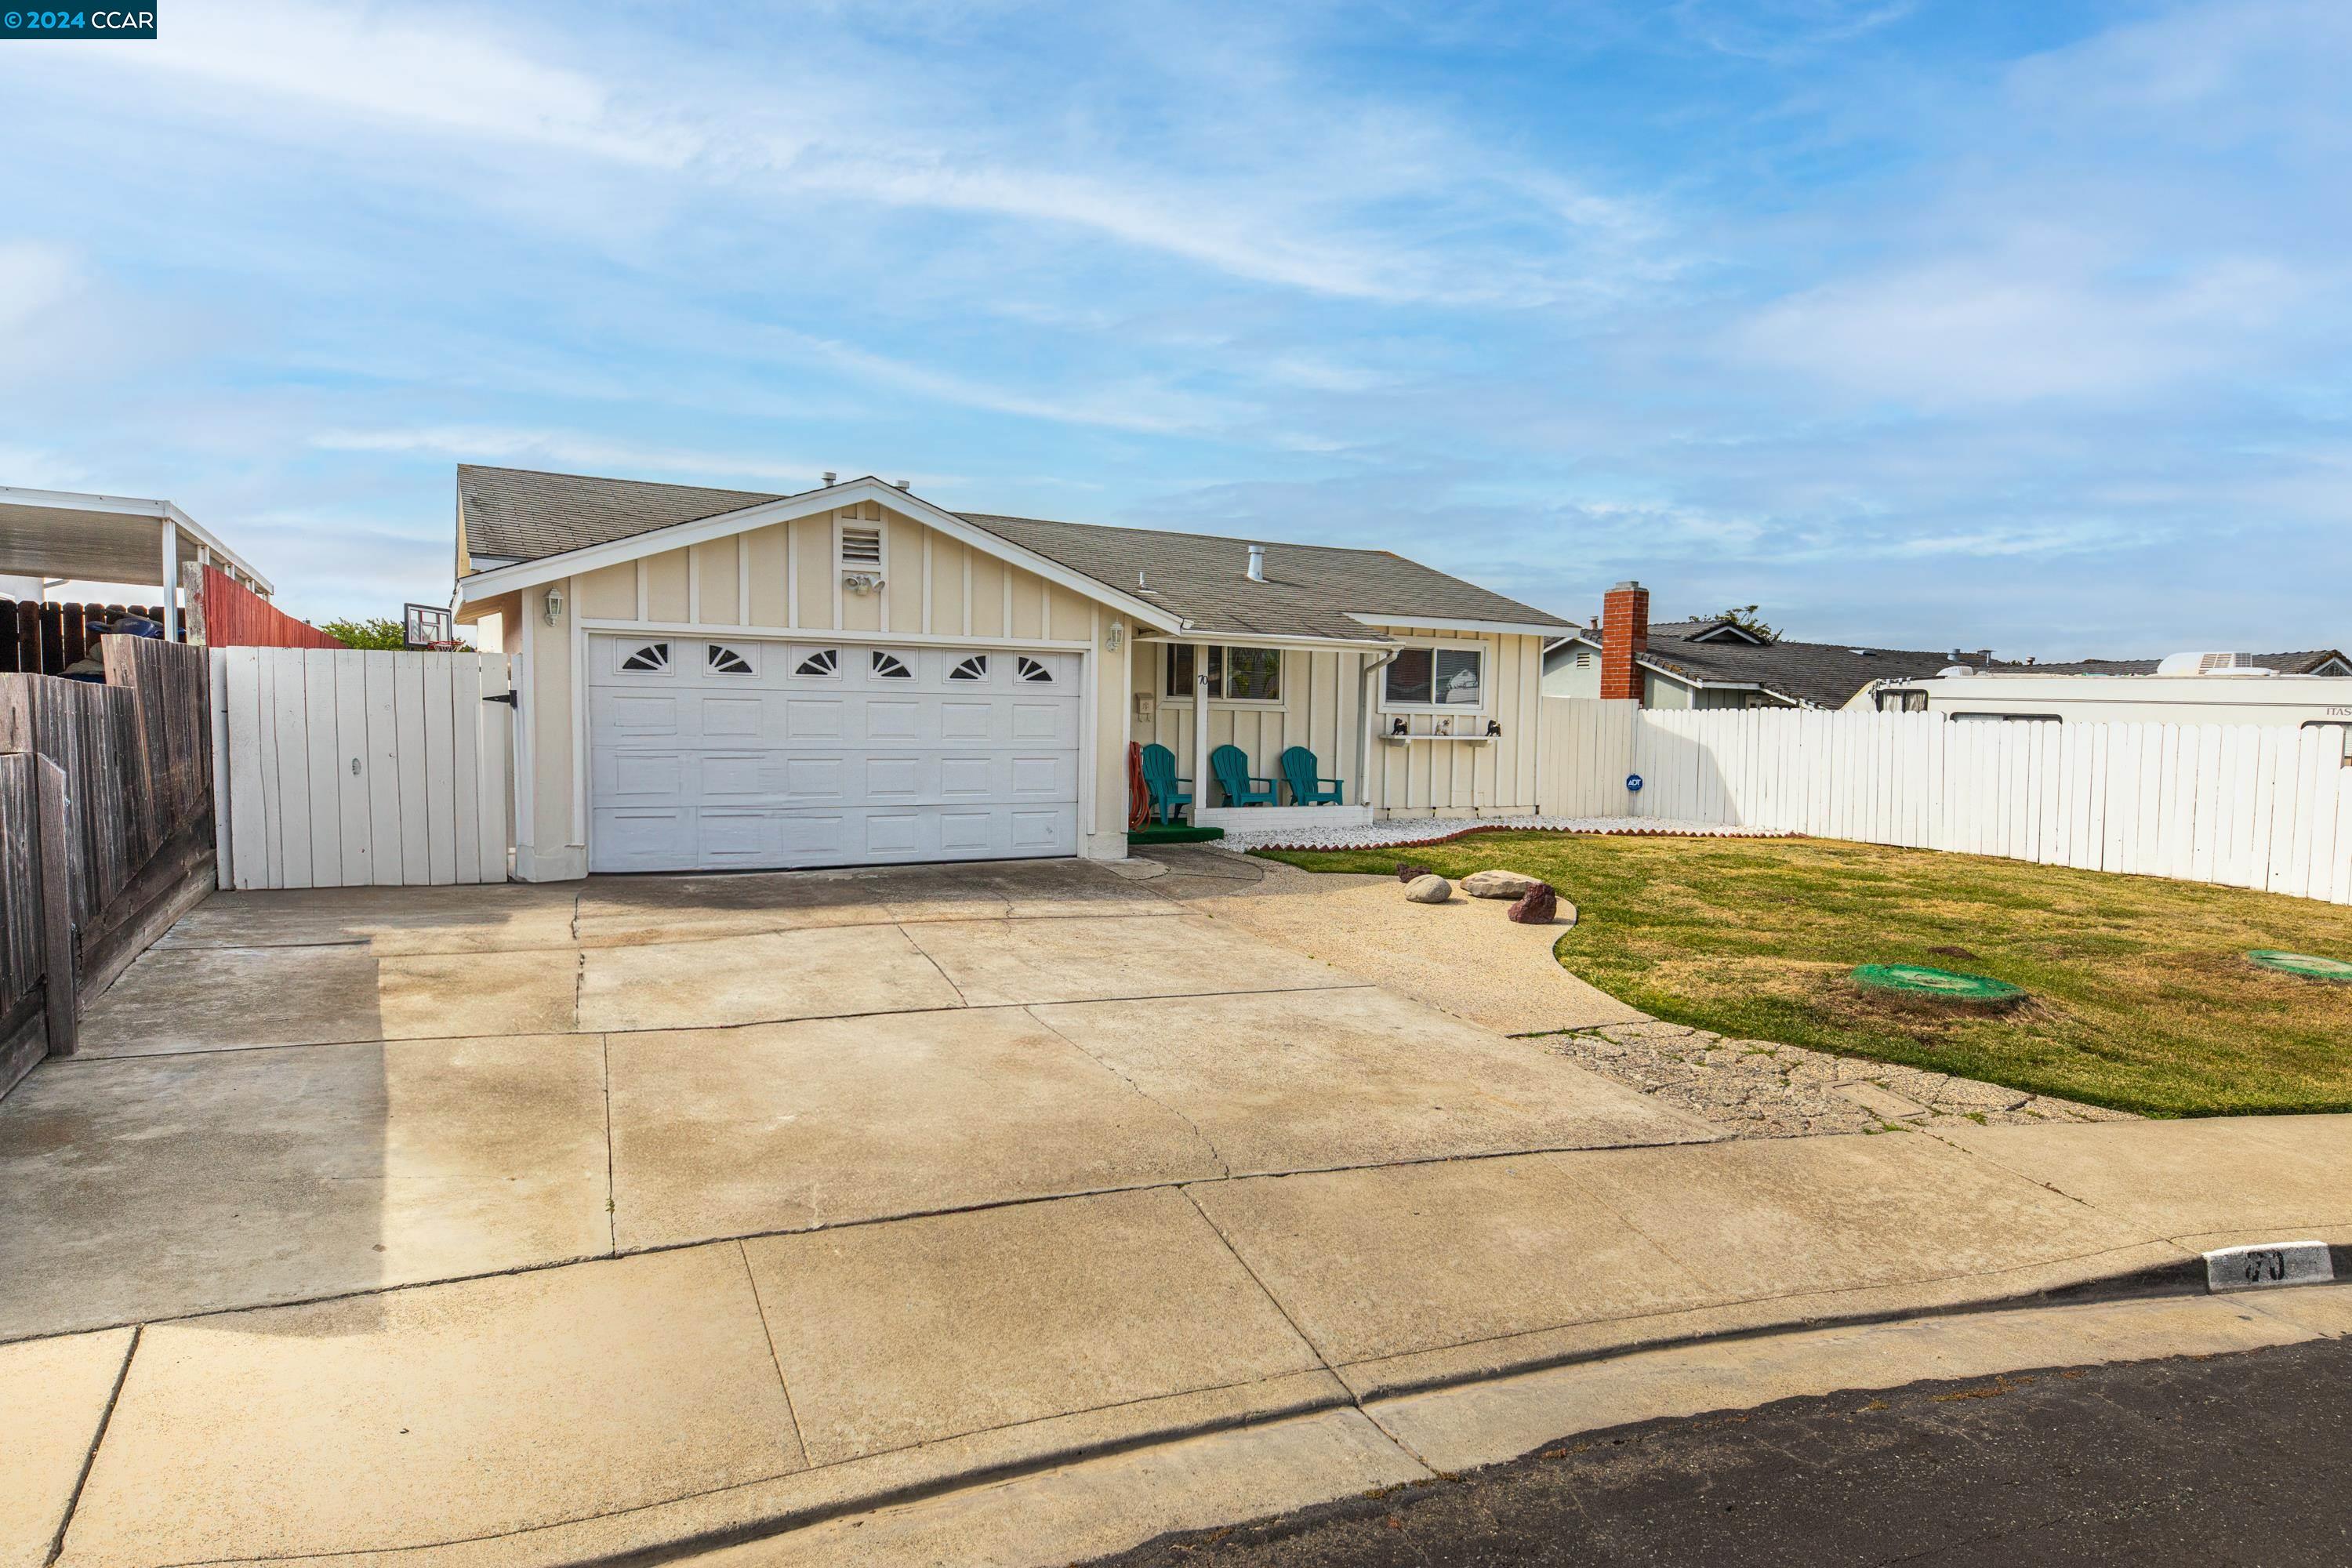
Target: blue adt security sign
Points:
(1633, 783)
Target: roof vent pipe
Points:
(829, 477)
(904, 484)
(1258, 564)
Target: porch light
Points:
(1111, 636)
(554, 606)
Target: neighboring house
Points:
(1719, 663)
(852, 675)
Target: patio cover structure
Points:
(111, 539)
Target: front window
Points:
(1436, 677)
(1235, 674)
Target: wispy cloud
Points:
(1891, 316)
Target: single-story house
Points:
(852, 674)
(1721, 663)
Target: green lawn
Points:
(2141, 996)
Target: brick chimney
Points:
(1624, 634)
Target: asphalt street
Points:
(2238, 1460)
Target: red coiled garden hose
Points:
(1138, 794)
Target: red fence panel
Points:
(236, 616)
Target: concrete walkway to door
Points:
(529, 1224)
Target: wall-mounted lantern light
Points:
(1111, 636)
(554, 606)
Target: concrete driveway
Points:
(297, 1096)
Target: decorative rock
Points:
(1408, 870)
(1536, 906)
(1500, 884)
(1429, 889)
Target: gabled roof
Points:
(1310, 591)
(1818, 675)
(522, 514)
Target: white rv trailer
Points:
(2187, 689)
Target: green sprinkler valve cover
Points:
(1918, 980)
(2309, 965)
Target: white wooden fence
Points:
(341, 768)
(2248, 805)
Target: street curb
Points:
(2185, 1277)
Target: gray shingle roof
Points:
(1308, 590)
(1826, 675)
(522, 514)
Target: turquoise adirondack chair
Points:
(1306, 786)
(1231, 764)
(1160, 778)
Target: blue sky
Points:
(1930, 323)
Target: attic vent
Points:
(861, 549)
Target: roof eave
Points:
(588, 558)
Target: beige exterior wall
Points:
(1321, 709)
(780, 580)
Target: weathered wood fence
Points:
(39, 638)
(2246, 805)
(107, 850)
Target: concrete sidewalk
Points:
(723, 1390)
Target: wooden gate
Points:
(346, 768)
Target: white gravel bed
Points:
(1398, 831)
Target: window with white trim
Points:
(651, 658)
(1235, 674)
(725, 660)
(1028, 668)
(823, 661)
(972, 669)
(890, 667)
(1439, 677)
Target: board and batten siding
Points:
(1321, 709)
(783, 581)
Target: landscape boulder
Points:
(1500, 884)
(1408, 870)
(1536, 906)
(1429, 889)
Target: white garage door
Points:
(707, 754)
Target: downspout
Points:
(1364, 730)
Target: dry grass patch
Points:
(2139, 993)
